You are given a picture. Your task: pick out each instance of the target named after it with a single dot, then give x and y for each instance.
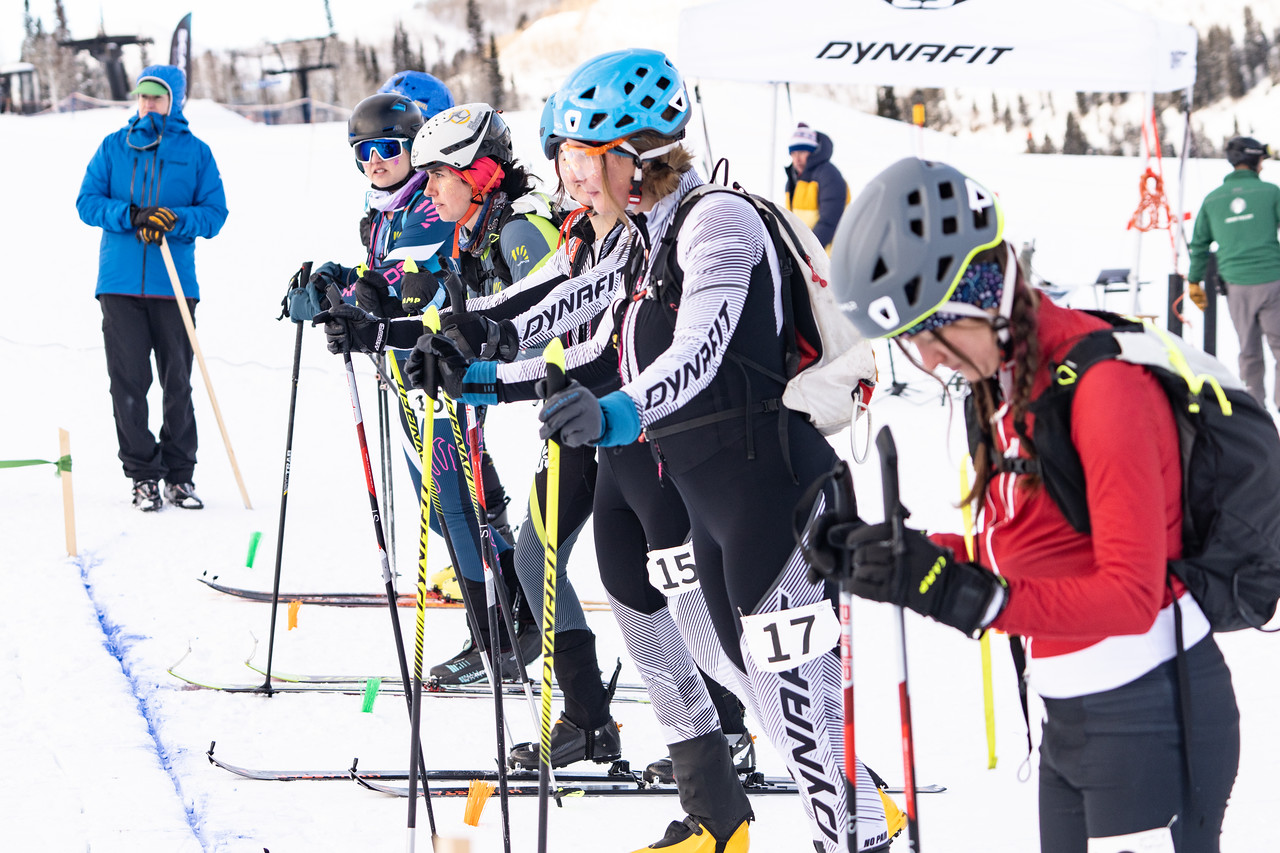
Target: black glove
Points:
(349, 328)
(417, 288)
(420, 370)
(374, 296)
(931, 581)
(155, 218)
(451, 364)
(572, 416)
(478, 337)
(366, 227)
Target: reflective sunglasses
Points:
(386, 149)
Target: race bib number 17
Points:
(785, 639)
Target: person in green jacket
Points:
(1242, 216)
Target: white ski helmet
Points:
(461, 135)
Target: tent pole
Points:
(773, 148)
(1148, 107)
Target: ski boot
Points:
(691, 835)
(569, 743)
(183, 495)
(445, 584)
(466, 667)
(742, 751)
(716, 807)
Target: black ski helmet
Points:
(384, 115)
(902, 246)
(1246, 151)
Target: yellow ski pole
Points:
(988, 699)
(554, 357)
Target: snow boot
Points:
(585, 698)
(716, 806)
(146, 495)
(183, 495)
(742, 751)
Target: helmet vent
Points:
(664, 83)
(913, 197)
(628, 87)
(912, 290)
(669, 113)
(596, 119)
(944, 265)
(917, 227)
(980, 218)
(880, 271)
(641, 71)
(589, 94)
(946, 190)
(949, 225)
(624, 121)
(647, 101)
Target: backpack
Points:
(829, 366)
(1230, 467)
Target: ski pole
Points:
(384, 454)
(303, 274)
(204, 371)
(431, 323)
(554, 357)
(843, 505)
(988, 697)
(895, 514)
(335, 299)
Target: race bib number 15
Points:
(672, 570)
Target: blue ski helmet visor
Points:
(903, 246)
(386, 149)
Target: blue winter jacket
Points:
(152, 161)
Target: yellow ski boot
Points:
(690, 836)
(445, 584)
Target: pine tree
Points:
(494, 73)
(1074, 140)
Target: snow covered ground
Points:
(104, 750)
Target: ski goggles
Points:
(582, 162)
(386, 149)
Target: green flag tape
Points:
(254, 539)
(63, 464)
(370, 693)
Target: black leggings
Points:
(1111, 763)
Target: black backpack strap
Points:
(1184, 691)
(1019, 654)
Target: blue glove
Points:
(575, 417)
(480, 384)
(302, 301)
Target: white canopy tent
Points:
(1081, 45)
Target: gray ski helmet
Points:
(461, 135)
(906, 240)
(1246, 151)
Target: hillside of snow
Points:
(106, 750)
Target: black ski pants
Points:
(1111, 763)
(133, 327)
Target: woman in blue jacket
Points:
(150, 180)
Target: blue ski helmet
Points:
(621, 93)
(904, 243)
(427, 91)
(550, 142)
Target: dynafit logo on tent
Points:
(923, 4)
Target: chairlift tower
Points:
(302, 71)
(106, 49)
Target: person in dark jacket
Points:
(1242, 216)
(148, 182)
(816, 191)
